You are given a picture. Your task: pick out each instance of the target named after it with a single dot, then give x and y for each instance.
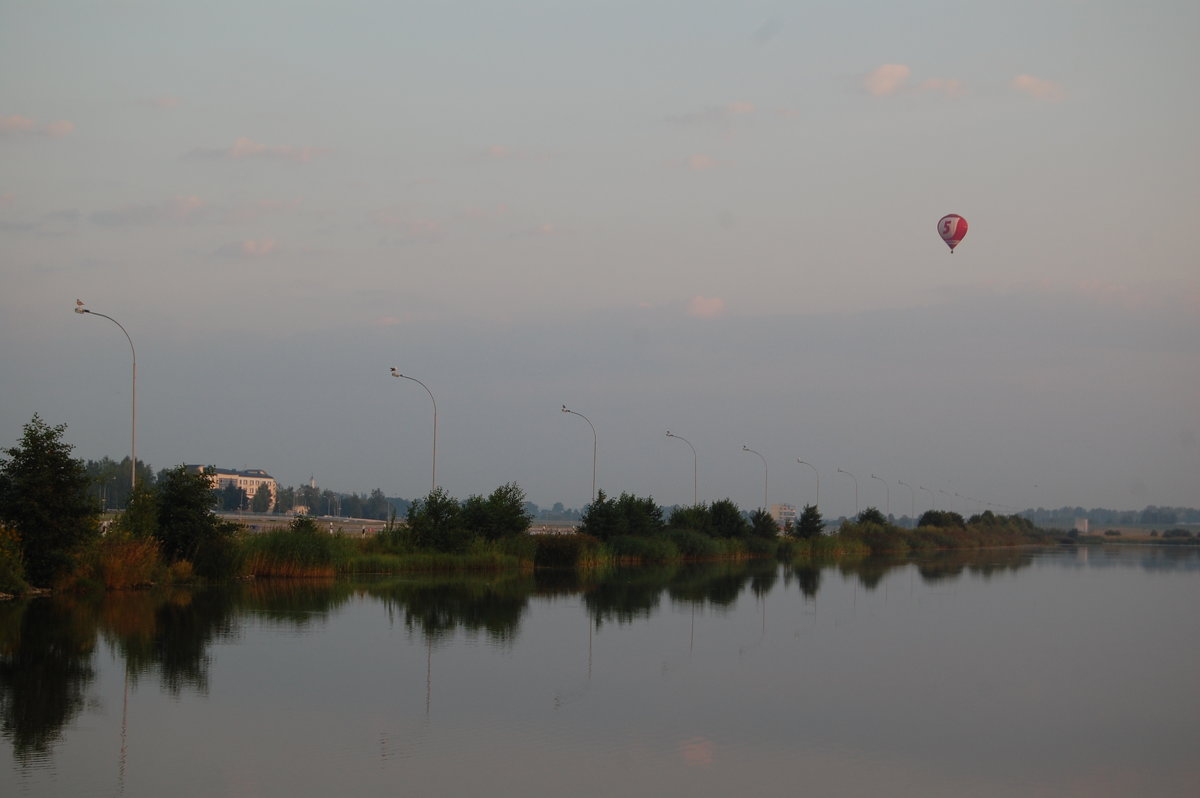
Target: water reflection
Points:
(46, 650)
(48, 646)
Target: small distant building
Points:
(784, 515)
(1081, 526)
(249, 480)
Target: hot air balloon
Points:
(952, 228)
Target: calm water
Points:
(1053, 673)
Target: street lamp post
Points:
(843, 471)
(746, 448)
(695, 468)
(932, 500)
(594, 442)
(396, 373)
(79, 308)
(912, 501)
(887, 507)
(817, 501)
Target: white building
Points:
(249, 480)
(784, 514)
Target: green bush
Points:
(693, 545)
(301, 549)
(632, 549)
(566, 551)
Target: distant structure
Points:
(249, 480)
(784, 514)
(1081, 526)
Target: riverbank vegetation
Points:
(52, 534)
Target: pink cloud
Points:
(714, 115)
(698, 163)
(1039, 88)
(249, 249)
(17, 124)
(244, 148)
(886, 79)
(165, 103)
(703, 307)
(178, 209)
(56, 130)
(23, 124)
(698, 751)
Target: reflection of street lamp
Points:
(746, 448)
(912, 501)
(594, 442)
(396, 373)
(817, 501)
(695, 482)
(887, 508)
(79, 308)
(843, 471)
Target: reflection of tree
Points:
(46, 648)
(871, 570)
(170, 633)
(943, 566)
(809, 579)
(438, 608)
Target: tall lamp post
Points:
(746, 448)
(817, 501)
(695, 468)
(912, 501)
(932, 499)
(843, 471)
(594, 442)
(79, 308)
(887, 507)
(396, 373)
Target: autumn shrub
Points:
(12, 572)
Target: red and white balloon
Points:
(952, 228)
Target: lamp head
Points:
(396, 373)
(565, 410)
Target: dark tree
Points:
(187, 527)
(727, 520)
(763, 524)
(697, 519)
(435, 522)
(810, 524)
(872, 515)
(941, 519)
(45, 496)
(261, 502)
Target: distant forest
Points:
(110, 479)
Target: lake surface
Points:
(1015, 673)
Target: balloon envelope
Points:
(952, 228)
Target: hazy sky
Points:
(715, 218)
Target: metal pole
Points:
(746, 448)
(396, 373)
(818, 473)
(887, 509)
(79, 308)
(912, 501)
(695, 469)
(842, 471)
(594, 442)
